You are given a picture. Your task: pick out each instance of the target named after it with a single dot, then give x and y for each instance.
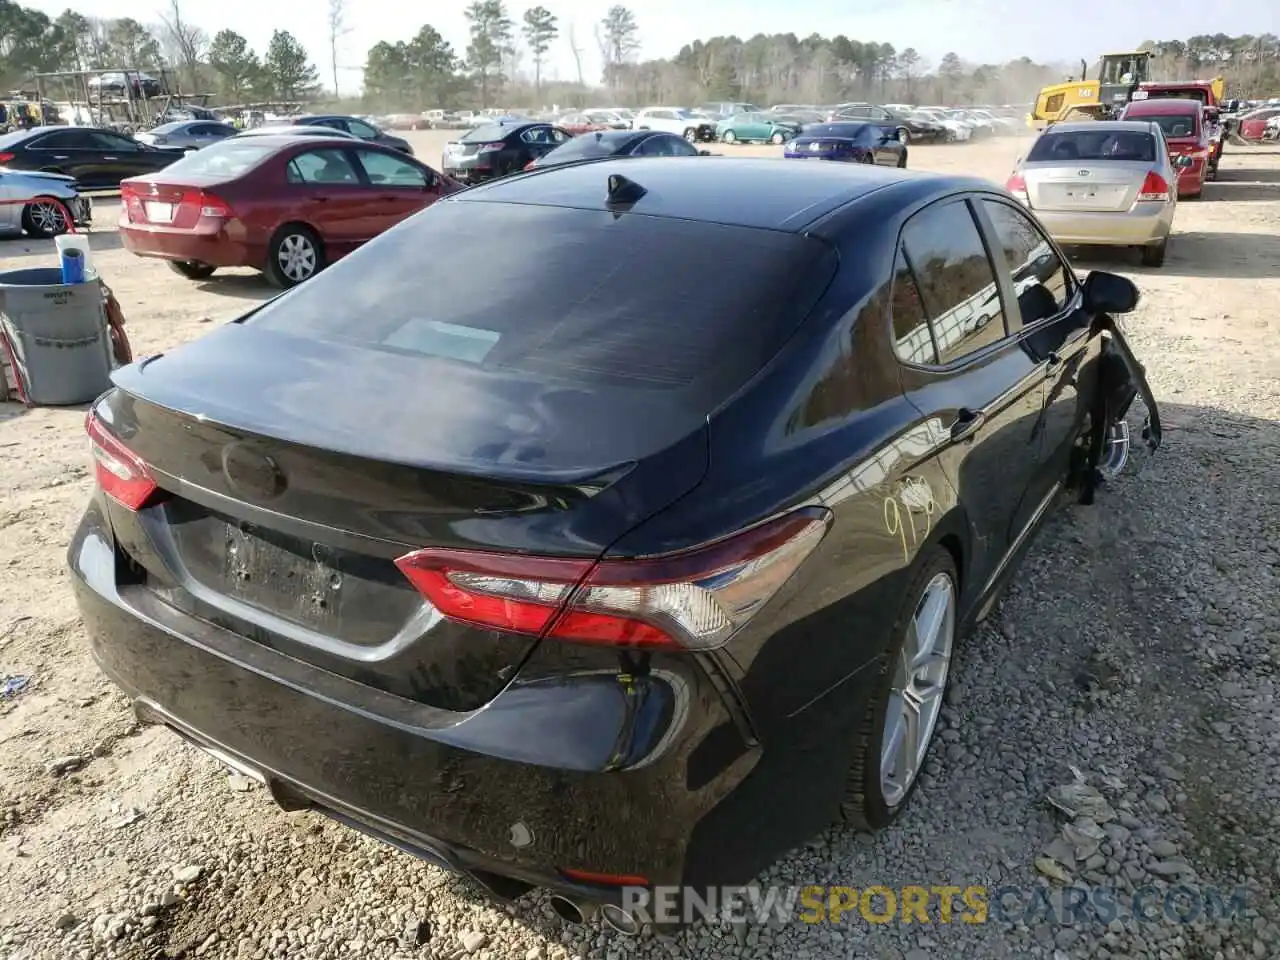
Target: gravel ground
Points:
(1137, 651)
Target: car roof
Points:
(1087, 126)
(282, 140)
(1163, 105)
(779, 195)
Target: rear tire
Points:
(904, 134)
(902, 160)
(777, 139)
(294, 255)
(866, 805)
(1153, 256)
(691, 135)
(728, 137)
(192, 269)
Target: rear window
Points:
(1100, 144)
(581, 148)
(1173, 125)
(169, 127)
(835, 130)
(492, 132)
(585, 297)
(228, 158)
(1190, 94)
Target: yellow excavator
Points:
(1118, 76)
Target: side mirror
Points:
(1109, 293)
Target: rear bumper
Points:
(444, 786)
(1147, 223)
(217, 249)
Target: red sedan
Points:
(580, 123)
(1254, 124)
(285, 205)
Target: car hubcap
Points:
(47, 218)
(297, 257)
(691, 135)
(1116, 452)
(915, 696)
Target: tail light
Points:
(6, 157)
(1017, 185)
(490, 147)
(1154, 187)
(693, 600)
(131, 201)
(210, 205)
(119, 471)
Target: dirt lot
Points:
(1140, 645)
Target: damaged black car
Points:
(609, 586)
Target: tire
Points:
(1153, 256)
(691, 135)
(44, 219)
(872, 801)
(902, 160)
(728, 137)
(192, 269)
(904, 134)
(867, 158)
(288, 261)
(778, 138)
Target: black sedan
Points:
(497, 149)
(849, 142)
(617, 143)
(95, 157)
(187, 134)
(599, 586)
(358, 128)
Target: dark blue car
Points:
(850, 142)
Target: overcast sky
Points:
(978, 30)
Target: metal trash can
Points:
(56, 336)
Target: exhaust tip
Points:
(621, 921)
(571, 912)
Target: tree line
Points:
(505, 57)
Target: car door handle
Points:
(61, 156)
(967, 423)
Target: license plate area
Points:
(158, 212)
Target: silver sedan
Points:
(27, 203)
(1108, 182)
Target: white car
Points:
(677, 120)
(957, 130)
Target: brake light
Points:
(604, 879)
(692, 600)
(490, 147)
(210, 206)
(6, 157)
(1154, 187)
(119, 471)
(1017, 185)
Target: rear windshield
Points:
(170, 127)
(835, 130)
(228, 158)
(492, 132)
(1173, 125)
(1192, 93)
(1100, 144)
(580, 148)
(584, 297)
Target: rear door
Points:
(972, 377)
(326, 191)
(398, 188)
(1052, 326)
(71, 152)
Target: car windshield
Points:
(173, 127)
(641, 323)
(227, 158)
(489, 133)
(1101, 144)
(683, 114)
(1173, 125)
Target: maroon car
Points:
(580, 123)
(285, 205)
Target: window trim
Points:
(1003, 286)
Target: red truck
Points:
(1209, 93)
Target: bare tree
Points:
(337, 30)
(577, 54)
(187, 42)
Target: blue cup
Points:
(72, 266)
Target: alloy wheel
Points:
(1115, 454)
(915, 694)
(297, 257)
(47, 218)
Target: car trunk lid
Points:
(290, 490)
(1085, 186)
(174, 201)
